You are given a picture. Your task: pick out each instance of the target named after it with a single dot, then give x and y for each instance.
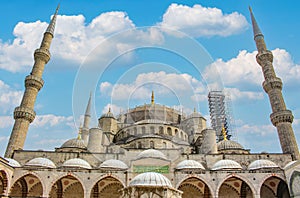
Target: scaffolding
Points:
(221, 114)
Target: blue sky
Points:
(91, 34)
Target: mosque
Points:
(150, 151)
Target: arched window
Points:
(143, 130)
(135, 131)
(176, 132)
(161, 130)
(169, 130)
(139, 145)
(164, 145)
(152, 144)
(152, 130)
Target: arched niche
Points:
(3, 182)
(67, 186)
(27, 186)
(194, 188)
(274, 187)
(107, 187)
(235, 187)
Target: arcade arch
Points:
(107, 187)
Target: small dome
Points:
(41, 162)
(262, 163)
(113, 164)
(226, 164)
(229, 145)
(151, 153)
(77, 163)
(13, 163)
(151, 179)
(74, 143)
(195, 115)
(189, 164)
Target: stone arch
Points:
(273, 187)
(235, 186)
(161, 130)
(107, 186)
(193, 187)
(294, 184)
(3, 182)
(28, 185)
(143, 130)
(67, 186)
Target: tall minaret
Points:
(86, 121)
(25, 114)
(281, 118)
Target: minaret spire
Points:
(25, 114)
(281, 117)
(86, 121)
(51, 26)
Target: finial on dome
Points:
(224, 133)
(51, 27)
(152, 97)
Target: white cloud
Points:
(203, 21)
(244, 69)
(163, 83)
(9, 98)
(236, 94)
(74, 39)
(51, 120)
(261, 130)
(6, 121)
(115, 109)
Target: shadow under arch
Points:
(27, 185)
(107, 186)
(235, 186)
(193, 186)
(3, 182)
(67, 186)
(274, 186)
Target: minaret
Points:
(86, 121)
(281, 118)
(25, 114)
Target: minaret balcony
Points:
(43, 54)
(263, 57)
(281, 116)
(34, 81)
(24, 113)
(273, 83)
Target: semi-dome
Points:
(151, 153)
(262, 163)
(41, 162)
(113, 164)
(151, 179)
(12, 162)
(229, 145)
(226, 165)
(77, 163)
(74, 143)
(189, 164)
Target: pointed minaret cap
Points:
(51, 26)
(152, 98)
(256, 30)
(88, 107)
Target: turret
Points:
(25, 114)
(281, 117)
(95, 140)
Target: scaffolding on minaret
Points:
(221, 115)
